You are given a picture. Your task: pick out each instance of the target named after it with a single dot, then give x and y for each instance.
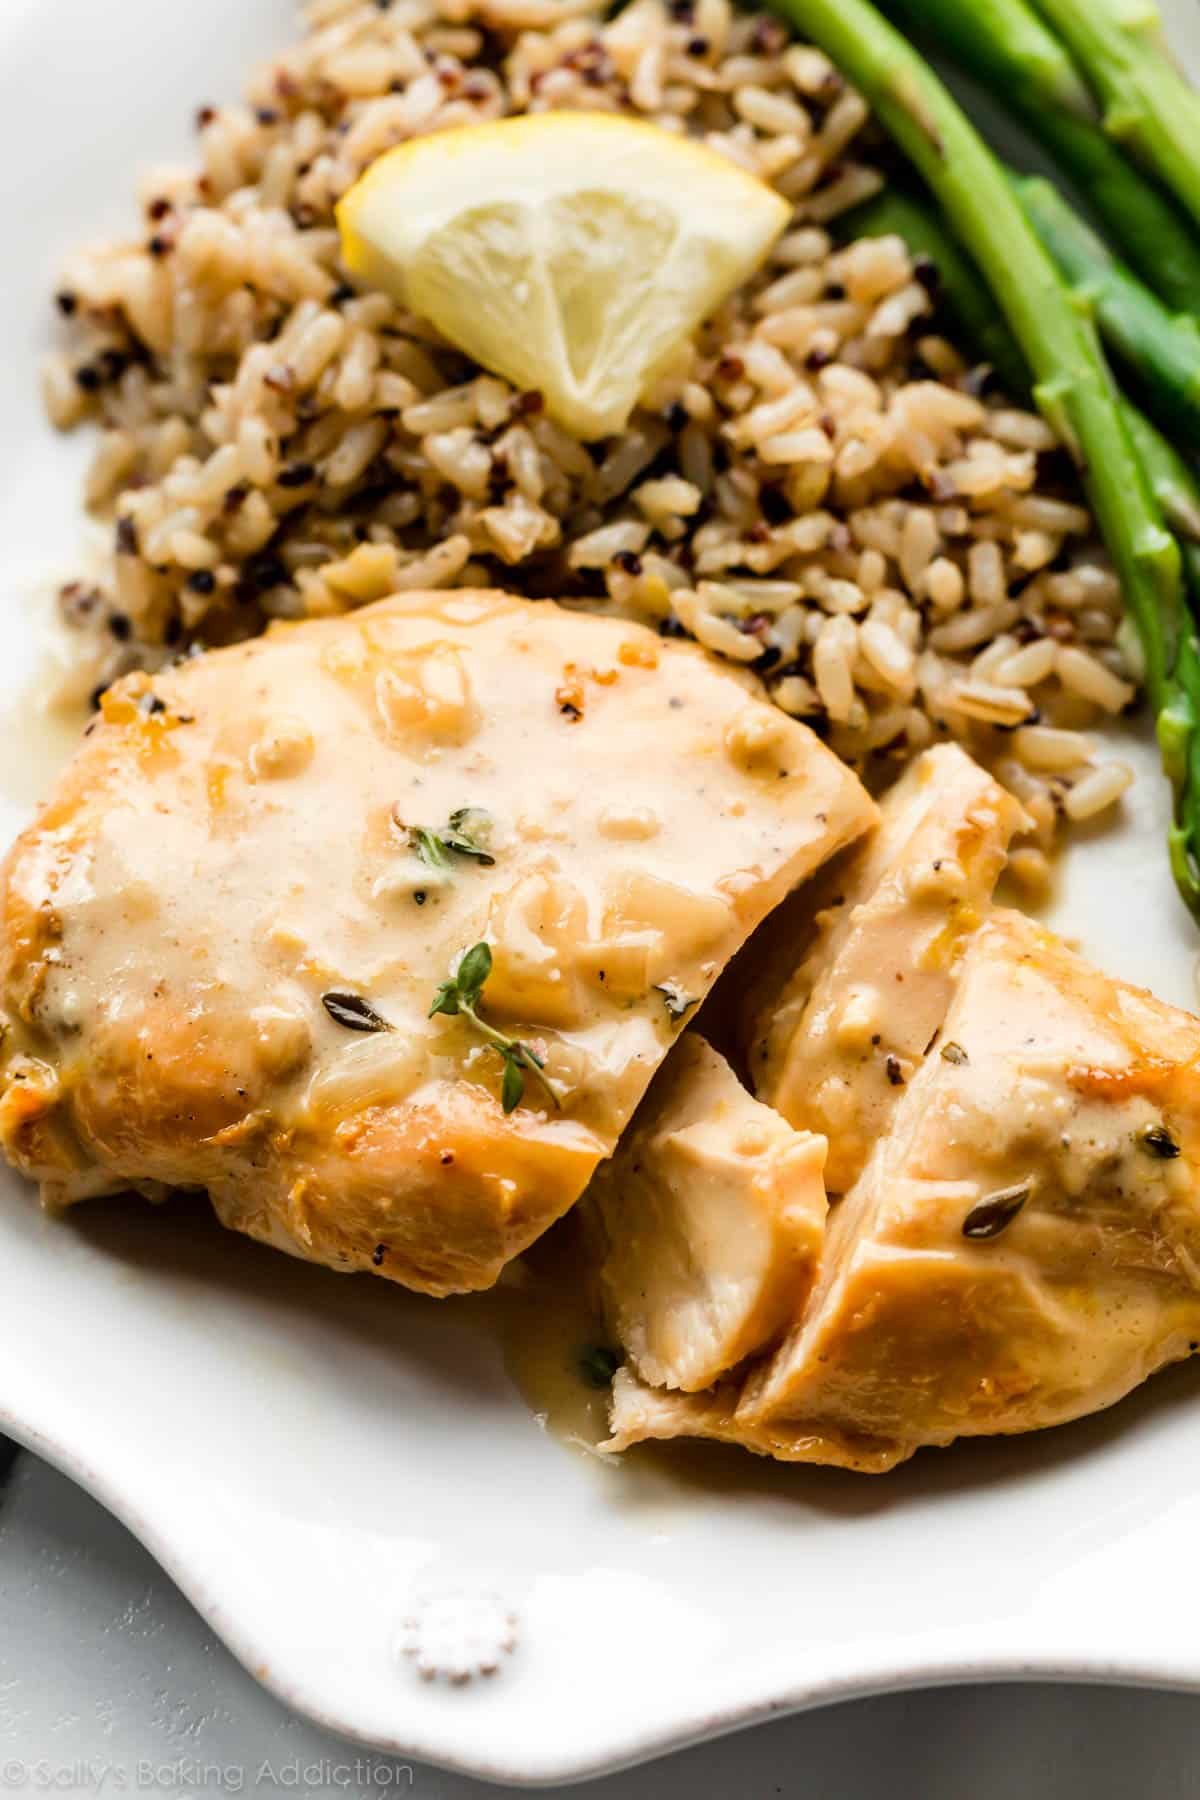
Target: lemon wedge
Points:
(567, 251)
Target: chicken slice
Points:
(1024, 1245)
(641, 1414)
(223, 936)
(833, 1051)
(712, 1214)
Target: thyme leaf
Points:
(598, 1364)
(429, 847)
(461, 994)
(467, 834)
(512, 1087)
(460, 837)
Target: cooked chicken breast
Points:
(833, 1050)
(223, 936)
(1022, 1248)
(712, 1214)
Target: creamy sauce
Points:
(542, 1316)
(238, 843)
(545, 1317)
(42, 724)
(37, 739)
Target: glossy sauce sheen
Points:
(233, 842)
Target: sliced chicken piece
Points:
(1024, 1245)
(223, 937)
(641, 1414)
(833, 1051)
(712, 1214)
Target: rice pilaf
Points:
(822, 487)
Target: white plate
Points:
(309, 1456)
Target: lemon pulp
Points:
(569, 252)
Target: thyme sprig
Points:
(467, 834)
(429, 847)
(460, 994)
(461, 837)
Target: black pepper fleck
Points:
(979, 381)
(297, 474)
(113, 363)
(927, 273)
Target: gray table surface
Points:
(110, 1683)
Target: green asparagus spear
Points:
(966, 297)
(1120, 47)
(1008, 49)
(1179, 723)
(1175, 488)
(1163, 351)
(1072, 385)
